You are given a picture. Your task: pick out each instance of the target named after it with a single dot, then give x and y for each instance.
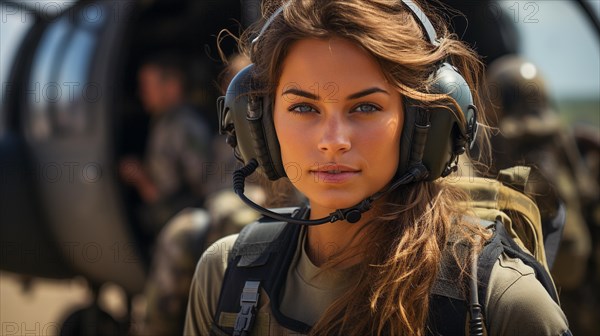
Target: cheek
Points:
(385, 135)
(383, 146)
(286, 135)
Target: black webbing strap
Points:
(256, 262)
(262, 253)
(552, 229)
(447, 316)
(248, 303)
(451, 304)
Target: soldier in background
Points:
(183, 239)
(531, 133)
(169, 178)
(171, 184)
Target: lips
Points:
(334, 173)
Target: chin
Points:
(334, 203)
(333, 198)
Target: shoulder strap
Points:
(447, 315)
(262, 250)
(449, 306)
(449, 303)
(255, 242)
(503, 242)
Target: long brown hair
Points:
(404, 245)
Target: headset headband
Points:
(269, 21)
(417, 13)
(423, 21)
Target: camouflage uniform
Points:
(179, 245)
(177, 152)
(532, 134)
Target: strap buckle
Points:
(248, 303)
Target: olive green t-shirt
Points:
(517, 304)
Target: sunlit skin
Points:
(338, 122)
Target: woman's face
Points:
(338, 122)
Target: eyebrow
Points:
(312, 96)
(367, 92)
(301, 93)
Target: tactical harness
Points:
(264, 250)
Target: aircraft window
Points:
(71, 113)
(14, 25)
(47, 8)
(559, 38)
(61, 76)
(42, 89)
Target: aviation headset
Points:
(431, 141)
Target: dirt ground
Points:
(40, 308)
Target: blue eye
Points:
(366, 108)
(301, 108)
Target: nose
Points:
(335, 136)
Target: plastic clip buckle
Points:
(248, 303)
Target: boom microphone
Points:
(352, 214)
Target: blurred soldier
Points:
(178, 248)
(588, 142)
(172, 187)
(184, 238)
(531, 133)
(170, 178)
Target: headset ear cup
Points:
(272, 150)
(438, 153)
(248, 119)
(452, 125)
(264, 139)
(448, 135)
(410, 112)
(259, 142)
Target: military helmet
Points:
(517, 88)
(520, 99)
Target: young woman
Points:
(342, 83)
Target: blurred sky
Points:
(556, 38)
